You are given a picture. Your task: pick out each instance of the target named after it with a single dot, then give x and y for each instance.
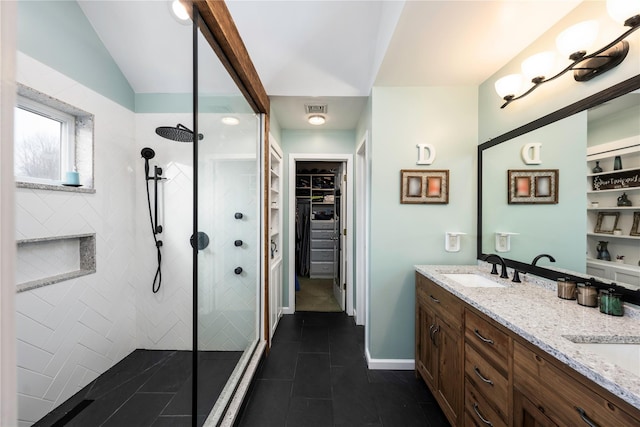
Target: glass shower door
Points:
(228, 208)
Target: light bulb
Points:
(621, 10)
(179, 11)
(577, 38)
(509, 86)
(538, 65)
(230, 120)
(316, 120)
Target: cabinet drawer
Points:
(478, 412)
(321, 269)
(321, 255)
(487, 380)
(322, 225)
(322, 244)
(562, 397)
(321, 234)
(488, 339)
(443, 303)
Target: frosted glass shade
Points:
(509, 85)
(621, 10)
(538, 65)
(577, 37)
(179, 11)
(316, 120)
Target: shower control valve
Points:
(238, 270)
(237, 243)
(238, 215)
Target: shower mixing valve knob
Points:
(238, 215)
(238, 243)
(238, 270)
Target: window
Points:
(44, 147)
(51, 139)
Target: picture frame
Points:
(532, 186)
(607, 222)
(424, 186)
(635, 228)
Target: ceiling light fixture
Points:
(230, 120)
(317, 120)
(574, 43)
(179, 11)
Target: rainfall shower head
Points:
(148, 153)
(178, 133)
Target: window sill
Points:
(54, 187)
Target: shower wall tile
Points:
(70, 332)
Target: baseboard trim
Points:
(392, 364)
(288, 310)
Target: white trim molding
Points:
(390, 364)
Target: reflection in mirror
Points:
(601, 142)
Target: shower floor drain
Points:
(72, 413)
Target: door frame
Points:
(291, 226)
(362, 183)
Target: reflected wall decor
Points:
(533, 186)
(424, 187)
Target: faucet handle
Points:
(494, 268)
(516, 276)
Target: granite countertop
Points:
(533, 311)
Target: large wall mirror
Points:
(608, 124)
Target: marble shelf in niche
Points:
(55, 187)
(30, 249)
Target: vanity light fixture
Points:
(230, 120)
(574, 43)
(316, 120)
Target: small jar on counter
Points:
(566, 288)
(611, 302)
(587, 294)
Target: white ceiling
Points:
(331, 51)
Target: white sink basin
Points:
(624, 355)
(473, 280)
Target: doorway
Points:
(320, 245)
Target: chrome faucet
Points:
(552, 259)
(494, 270)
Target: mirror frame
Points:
(615, 91)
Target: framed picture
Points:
(607, 222)
(533, 186)
(635, 228)
(422, 186)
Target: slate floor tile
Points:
(268, 404)
(309, 413)
(313, 376)
(141, 410)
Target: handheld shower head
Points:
(179, 133)
(148, 153)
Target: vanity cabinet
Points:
(439, 350)
(486, 368)
(548, 394)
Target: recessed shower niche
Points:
(48, 260)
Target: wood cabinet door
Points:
(450, 370)
(426, 358)
(526, 414)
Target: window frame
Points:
(67, 137)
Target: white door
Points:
(340, 215)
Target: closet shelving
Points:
(318, 190)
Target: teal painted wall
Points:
(58, 34)
(556, 229)
(622, 125)
(307, 142)
(405, 235)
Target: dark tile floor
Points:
(147, 388)
(316, 375)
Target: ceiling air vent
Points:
(315, 109)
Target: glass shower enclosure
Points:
(227, 229)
